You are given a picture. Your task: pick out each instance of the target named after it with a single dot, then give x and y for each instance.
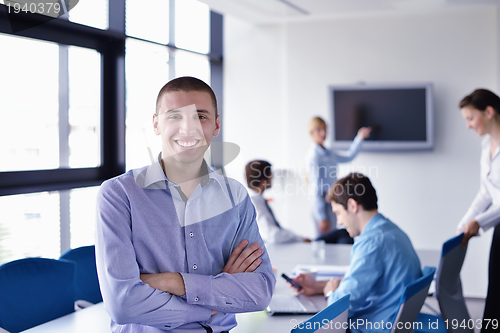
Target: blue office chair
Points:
(333, 318)
(34, 291)
(448, 291)
(412, 300)
(87, 284)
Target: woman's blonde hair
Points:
(315, 122)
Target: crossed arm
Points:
(241, 260)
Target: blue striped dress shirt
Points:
(145, 226)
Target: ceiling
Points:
(276, 11)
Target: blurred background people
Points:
(259, 177)
(481, 111)
(382, 262)
(322, 167)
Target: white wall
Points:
(277, 77)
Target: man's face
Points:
(186, 122)
(346, 219)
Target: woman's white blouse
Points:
(269, 231)
(485, 207)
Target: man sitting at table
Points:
(383, 260)
(259, 178)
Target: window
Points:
(42, 127)
(93, 13)
(84, 107)
(148, 21)
(192, 26)
(29, 129)
(45, 224)
(189, 64)
(29, 226)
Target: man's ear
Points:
(217, 125)
(352, 206)
(155, 124)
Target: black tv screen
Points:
(400, 116)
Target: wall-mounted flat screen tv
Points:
(401, 116)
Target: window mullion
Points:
(171, 40)
(65, 223)
(63, 107)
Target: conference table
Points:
(284, 257)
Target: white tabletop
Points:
(92, 319)
(283, 257)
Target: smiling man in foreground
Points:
(177, 245)
(383, 260)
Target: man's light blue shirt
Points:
(145, 226)
(383, 262)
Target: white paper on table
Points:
(323, 272)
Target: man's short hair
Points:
(480, 99)
(314, 123)
(255, 171)
(354, 186)
(186, 83)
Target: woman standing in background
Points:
(322, 168)
(481, 111)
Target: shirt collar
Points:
(486, 144)
(373, 223)
(155, 174)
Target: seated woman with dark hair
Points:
(259, 178)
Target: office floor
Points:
(474, 305)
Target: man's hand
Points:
(332, 285)
(172, 283)
(470, 230)
(309, 284)
(324, 226)
(244, 260)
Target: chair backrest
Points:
(333, 318)
(34, 291)
(411, 302)
(87, 283)
(449, 286)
